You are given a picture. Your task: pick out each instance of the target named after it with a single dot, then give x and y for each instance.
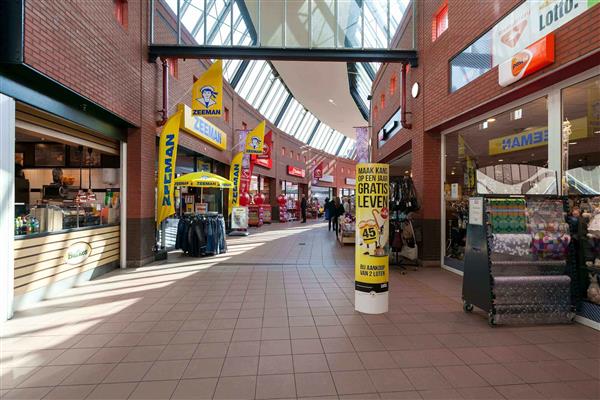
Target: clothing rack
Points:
(403, 238)
(201, 235)
(516, 259)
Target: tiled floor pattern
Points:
(273, 319)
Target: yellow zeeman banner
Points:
(372, 228)
(255, 139)
(234, 176)
(167, 157)
(207, 92)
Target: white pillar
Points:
(123, 210)
(555, 136)
(7, 205)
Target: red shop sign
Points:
(295, 171)
(535, 57)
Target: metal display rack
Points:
(511, 283)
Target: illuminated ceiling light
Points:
(483, 125)
(517, 114)
(452, 173)
(406, 172)
(500, 160)
(331, 101)
(572, 143)
(491, 120)
(580, 160)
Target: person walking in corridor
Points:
(303, 208)
(337, 210)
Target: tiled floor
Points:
(273, 319)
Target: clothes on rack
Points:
(201, 235)
(507, 215)
(403, 196)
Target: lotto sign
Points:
(372, 238)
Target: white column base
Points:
(371, 303)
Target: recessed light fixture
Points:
(452, 173)
(500, 160)
(491, 120)
(331, 101)
(406, 172)
(580, 160)
(484, 125)
(572, 143)
(517, 114)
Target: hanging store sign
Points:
(318, 171)
(371, 266)
(295, 171)
(202, 129)
(255, 139)
(326, 178)
(77, 253)
(207, 92)
(167, 157)
(235, 176)
(531, 21)
(535, 137)
(527, 61)
(265, 160)
(391, 128)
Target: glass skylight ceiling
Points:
(259, 84)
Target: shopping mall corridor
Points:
(273, 319)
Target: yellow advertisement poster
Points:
(167, 156)
(372, 228)
(255, 139)
(235, 175)
(207, 92)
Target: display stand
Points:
(255, 215)
(515, 259)
(346, 232)
(267, 213)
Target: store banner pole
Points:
(371, 265)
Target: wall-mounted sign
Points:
(531, 21)
(527, 61)
(326, 178)
(202, 129)
(295, 171)
(318, 171)
(350, 181)
(239, 218)
(391, 128)
(202, 166)
(77, 253)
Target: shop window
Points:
(497, 155)
(440, 22)
(226, 114)
(382, 101)
(173, 67)
(393, 82)
(471, 63)
(121, 11)
(581, 137)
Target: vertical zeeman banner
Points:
(372, 235)
(235, 176)
(207, 92)
(167, 157)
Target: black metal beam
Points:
(281, 54)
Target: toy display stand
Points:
(514, 289)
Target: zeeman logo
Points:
(236, 179)
(255, 142)
(206, 129)
(170, 146)
(208, 100)
(524, 140)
